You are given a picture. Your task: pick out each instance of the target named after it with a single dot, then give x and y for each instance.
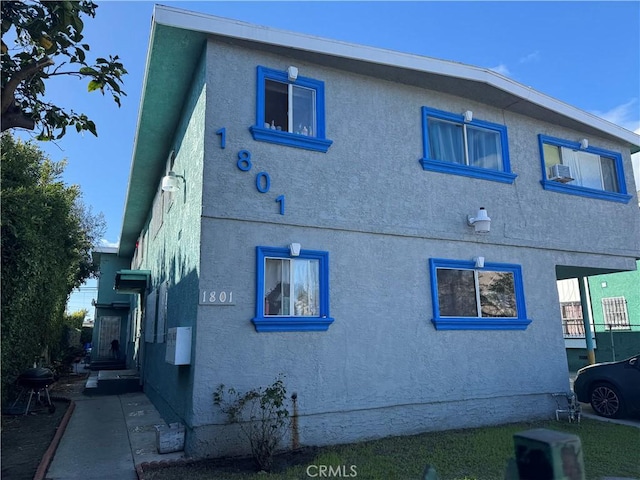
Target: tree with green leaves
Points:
(41, 40)
(47, 235)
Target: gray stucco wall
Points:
(381, 368)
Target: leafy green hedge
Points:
(47, 236)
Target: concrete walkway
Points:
(107, 436)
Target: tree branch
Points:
(29, 69)
(17, 119)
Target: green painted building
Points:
(615, 318)
(615, 306)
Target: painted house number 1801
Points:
(216, 297)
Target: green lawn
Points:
(479, 454)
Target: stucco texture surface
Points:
(381, 368)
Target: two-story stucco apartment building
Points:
(384, 229)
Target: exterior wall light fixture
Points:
(170, 182)
(584, 144)
(481, 222)
(468, 116)
(479, 262)
(292, 73)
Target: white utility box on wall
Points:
(179, 346)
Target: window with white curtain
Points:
(476, 149)
(588, 169)
(292, 291)
(291, 286)
(595, 172)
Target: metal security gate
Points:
(109, 330)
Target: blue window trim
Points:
(553, 186)
(272, 323)
(478, 323)
(318, 143)
(440, 166)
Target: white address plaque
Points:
(216, 297)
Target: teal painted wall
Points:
(616, 345)
(625, 345)
(577, 358)
(110, 264)
(623, 284)
(173, 255)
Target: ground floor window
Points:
(292, 290)
(466, 297)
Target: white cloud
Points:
(501, 69)
(532, 57)
(106, 243)
(625, 115)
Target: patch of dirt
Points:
(25, 438)
(219, 467)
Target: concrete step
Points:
(97, 365)
(113, 382)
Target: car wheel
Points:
(606, 401)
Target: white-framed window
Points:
(292, 291)
(281, 98)
(292, 286)
(468, 298)
(616, 316)
(290, 111)
(592, 172)
(471, 148)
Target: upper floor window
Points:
(473, 148)
(292, 291)
(568, 167)
(466, 297)
(290, 111)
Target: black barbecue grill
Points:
(35, 383)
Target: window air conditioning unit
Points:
(561, 173)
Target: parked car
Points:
(612, 388)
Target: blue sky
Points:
(586, 54)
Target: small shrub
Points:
(262, 414)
